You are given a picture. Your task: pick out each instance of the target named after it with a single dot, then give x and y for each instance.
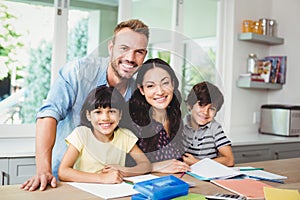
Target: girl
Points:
(97, 148)
(155, 110)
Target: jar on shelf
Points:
(251, 63)
(264, 26)
(272, 27)
(257, 27)
(247, 26)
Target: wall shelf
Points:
(258, 38)
(248, 84)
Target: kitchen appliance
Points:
(283, 120)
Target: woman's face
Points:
(157, 88)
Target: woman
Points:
(155, 110)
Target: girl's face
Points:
(104, 121)
(157, 88)
(201, 114)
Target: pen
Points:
(129, 182)
(182, 174)
(266, 179)
(251, 169)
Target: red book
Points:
(249, 188)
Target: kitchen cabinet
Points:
(284, 151)
(261, 152)
(243, 82)
(3, 171)
(251, 153)
(16, 170)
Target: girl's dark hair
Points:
(101, 97)
(139, 108)
(206, 93)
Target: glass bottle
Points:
(251, 63)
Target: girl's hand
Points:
(110, 175)
(114, 167)
(189, 159)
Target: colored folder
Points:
(249, 188)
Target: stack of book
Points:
(271, 69)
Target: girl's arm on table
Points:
(66, 171)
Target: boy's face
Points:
(202, 114)
(104, 121)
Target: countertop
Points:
(25, 146)
(257, 138)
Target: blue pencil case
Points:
(162, 188)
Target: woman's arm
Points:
(67, 173)
(142, 166)
(170, 166)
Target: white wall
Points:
(244, 102)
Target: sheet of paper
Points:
(211, 169)
(106, 191)
(140, 178)
(261, 173)
(280, 194)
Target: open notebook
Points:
(208, 169)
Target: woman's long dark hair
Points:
(139, 108)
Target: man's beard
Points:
(114, 65)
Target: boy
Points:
(203, 135)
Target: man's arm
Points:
(45, 138)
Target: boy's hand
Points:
(189, 159)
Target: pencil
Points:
(182, 174)
(251, 169)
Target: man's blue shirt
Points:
(67, 94)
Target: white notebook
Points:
(260, 173)
(208, 169)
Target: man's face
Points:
(127, 53)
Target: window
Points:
(184, 33)
(26, 82)
(28, 77)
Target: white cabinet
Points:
(16, 170)
(3, 171)
(251, 153)
(261, 152)
(284, 151)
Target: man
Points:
(59, 115)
